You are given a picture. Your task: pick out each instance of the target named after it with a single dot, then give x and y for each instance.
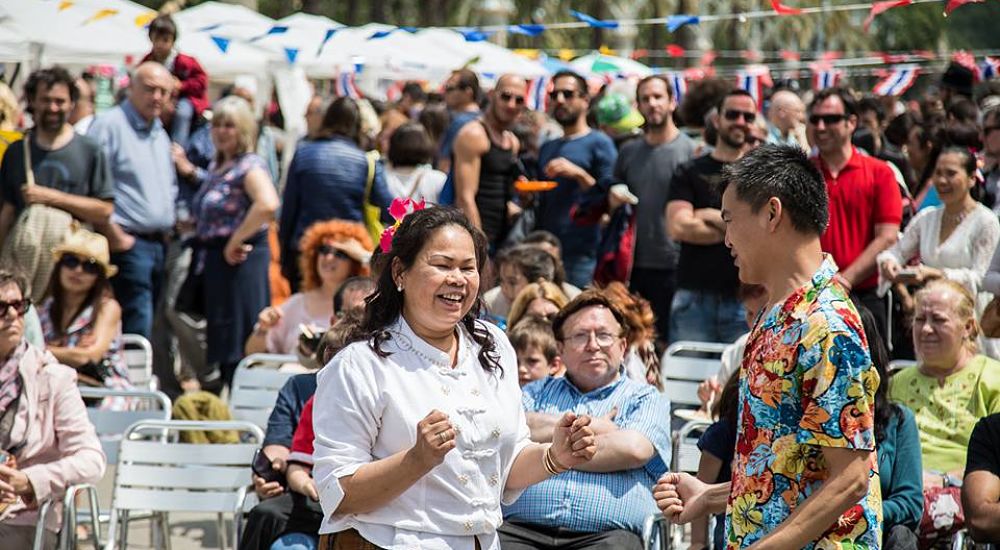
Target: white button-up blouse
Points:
(367, 408)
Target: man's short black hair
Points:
(581, 83)
(414, 91)
(850, 104)
(735, 92)
(872, 104)
(786, 173)
(48, 78)
(163, 24)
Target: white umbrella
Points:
(600, 64)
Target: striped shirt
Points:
(589, 502)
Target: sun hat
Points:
(87, 245)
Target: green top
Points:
(946, 414)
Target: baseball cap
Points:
(616, 111)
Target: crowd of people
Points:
(478, 297)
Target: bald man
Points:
(138, 150)
(786, 119)
(485, 160)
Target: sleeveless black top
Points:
(497, 171)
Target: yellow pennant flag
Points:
(101, 14)
(65, 4)
(530, 53)
(566, 55)
(606, 50)
(145, 19)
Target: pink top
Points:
(284, 336)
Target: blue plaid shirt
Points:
(588, 502)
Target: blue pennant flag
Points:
(381, 34)
(475, 35)
(326, 38)
(210, 27)
(277, 29)
(222, 43)
(291, 54)
(411, 30)
(526, 30)
(675, 22)
(593, 22)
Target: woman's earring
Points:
(399, 288)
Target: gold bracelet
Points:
(555, 463)
(550, 464)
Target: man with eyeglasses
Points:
(582, 163)
(647, 166)
(604, 503)
(138, 149)
(706, 307)
(485, 161)
(866, 206)
(461, 96)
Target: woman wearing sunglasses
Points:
(46, 440)
(331, 252)
(81, 320)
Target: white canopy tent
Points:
(489, 60)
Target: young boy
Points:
(191, 90)
(535, 345)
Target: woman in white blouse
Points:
(953, 241)
(420, 431)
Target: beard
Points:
(565, 116)
(731, 140)
(52, 122)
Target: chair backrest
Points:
(255, 387)
(111, 424)
(163, 476)
(685, 365)
(138, 354)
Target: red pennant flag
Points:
(640, 53)
(882, 7)
(926, 54)
(784, 10)
(789, 55)
(708, 58)
(673, 50)
(955, 4)
(964, 59)
(831, 55)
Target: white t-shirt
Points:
(418, 182)
(367, 409)
(284, 335)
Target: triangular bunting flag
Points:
(882, 7)
(326, 38)
(222, 43)
(593, 22)
(526, 30)
(291, 54)
(955, 4)
(101, 14)
(65, 4)
(784, 10)
(675, 22)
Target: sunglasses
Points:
(735, 114)
(72, 261)
(556, 95)
(506, 97)
(20, 306)
(325, 249)
(827, 119)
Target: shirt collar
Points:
(853, 162)
(599, 393)
(136, 120)
(408, 340)
(797, 302)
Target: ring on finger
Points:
(441, 437)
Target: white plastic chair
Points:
(67, 534)
(110, 425)
(685, 365)
(165, 476)
(655, 529)
(138, 354)
(255, 387)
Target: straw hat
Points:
(87, 244)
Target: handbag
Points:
(372, 214)
(990, 321)
(38, 229)
(190, 298)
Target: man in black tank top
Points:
(485, 160)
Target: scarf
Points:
(10, 382)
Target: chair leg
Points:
(221, 526)
(165, 530)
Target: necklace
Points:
(957, 218)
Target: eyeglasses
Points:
(556, 95)
(72, 261)
(506, 97)
(829, 120)
(20, 306)
(734, 114)
(580, 339)
(325, 249)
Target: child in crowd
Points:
(191, 86)
(535, 345)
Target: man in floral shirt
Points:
(805, 473)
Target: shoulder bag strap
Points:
(416, 183)
(28, 171)
(371, 156)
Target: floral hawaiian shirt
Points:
(806, 382)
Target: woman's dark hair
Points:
(410, 146)
(343, 118)
(435, 119)
(898, 130)
(727, 406)
(100, 291)
(968, 159)
(163, 25)
(385, 304)
(885, 410)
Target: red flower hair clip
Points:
(399, 209)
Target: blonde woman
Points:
(542, 299)
(232, 209)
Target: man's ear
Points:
(775, 212)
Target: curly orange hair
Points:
(638, 313)
(330, 230)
